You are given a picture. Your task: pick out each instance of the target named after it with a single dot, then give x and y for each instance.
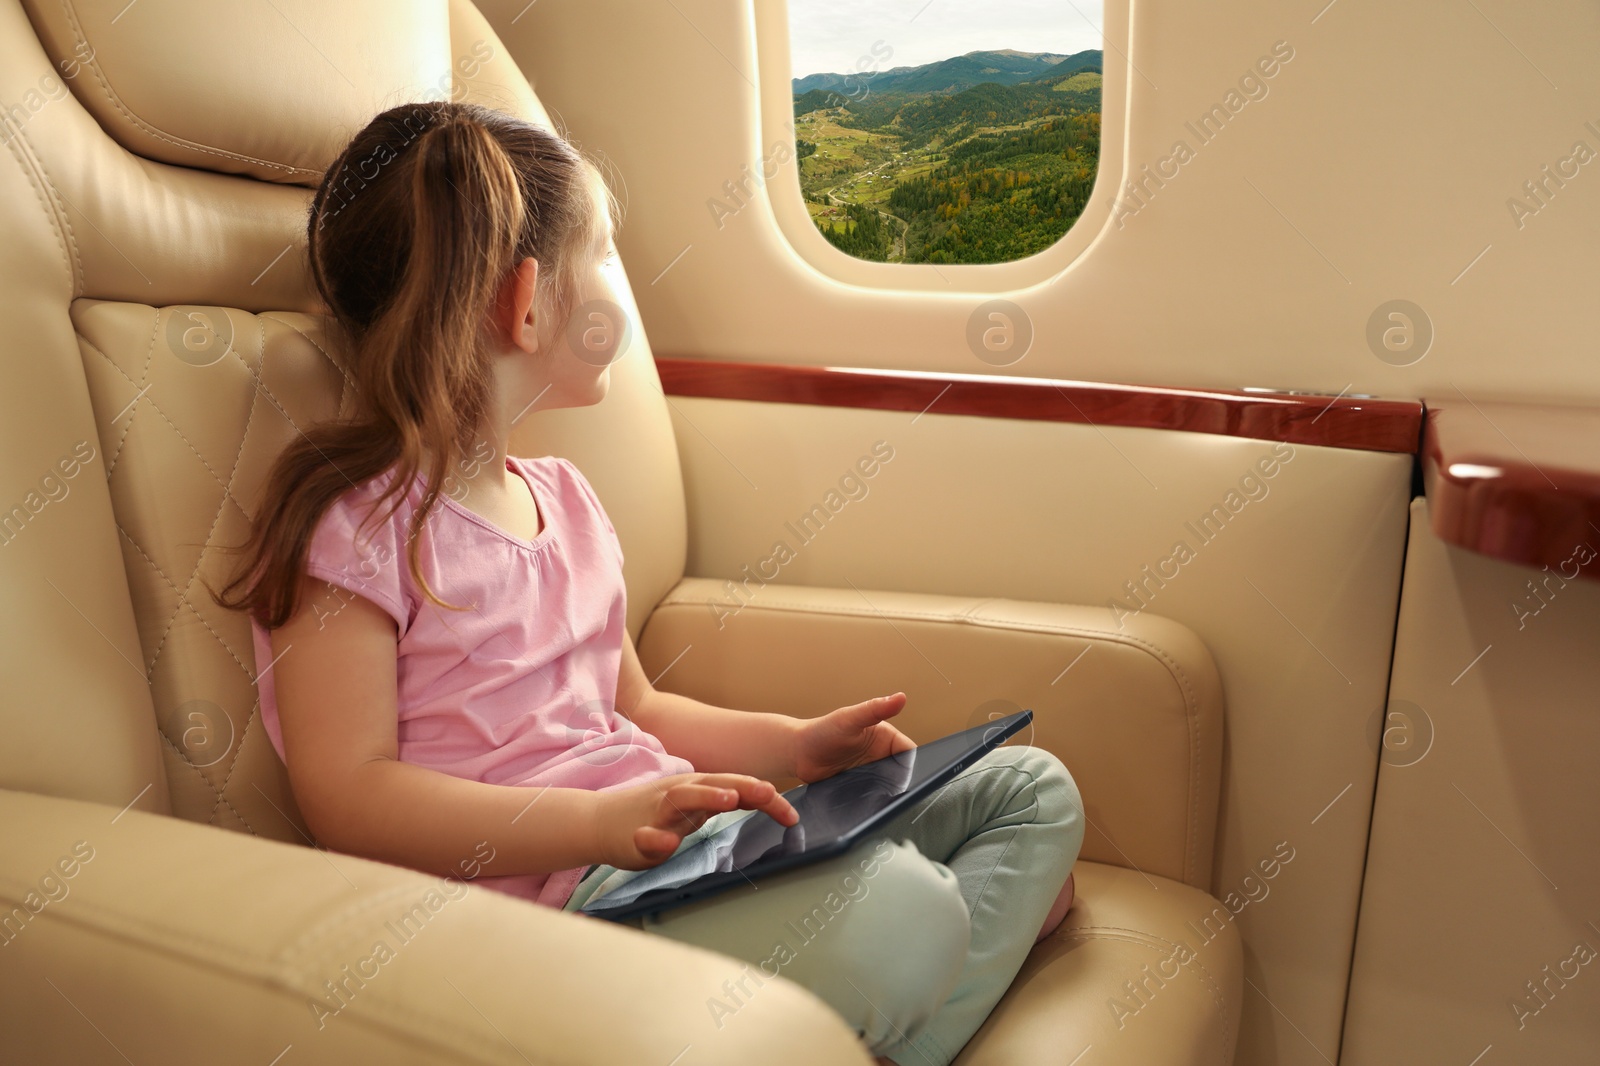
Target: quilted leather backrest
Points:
(159, 323)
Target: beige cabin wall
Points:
(1378, 167)
(1483, 874)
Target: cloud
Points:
(831, 35)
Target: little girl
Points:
(439, 626)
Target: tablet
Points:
(835, 814)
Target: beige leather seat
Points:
(158, 900)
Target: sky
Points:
(834, 35)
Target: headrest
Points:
(270, 89)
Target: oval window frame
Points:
(782, 191)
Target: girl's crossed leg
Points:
(915, 934)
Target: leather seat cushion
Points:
(1143, 970)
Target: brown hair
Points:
(412, 232)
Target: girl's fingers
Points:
(754, 794)
(730, 780)
(655, 843)
(781, 810)
(688, 804)
(867, 714)
(758, 795)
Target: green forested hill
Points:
(922, 117)
(985, 174)
(1007, 67)
(1001, 196)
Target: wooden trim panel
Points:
(1335, 422)
(1519, 482)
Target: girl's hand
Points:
(641, 827)
(848, 737)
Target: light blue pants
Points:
(913, 935)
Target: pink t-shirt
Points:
(520, 689)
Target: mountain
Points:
(818, 82)
(979, 158)
(918, 118)
(1005, 67)
(816, 100)
(1090, 59)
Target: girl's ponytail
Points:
(429, 341)
(413, 230)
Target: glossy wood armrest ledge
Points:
(1516, 481)
(1339, 421)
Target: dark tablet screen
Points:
(834, 813)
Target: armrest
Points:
(1133, 706)
(173, 941)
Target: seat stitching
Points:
(286, 953)
(227, 493)
(227, 487)
(66, 219)
(133, 410)
(183, 597)
(393, 1015)
(1191, 858)
(1216, 997)
(978, 605)
(242, 820)
(1121, 638)
(1080, 932)
(277, 404)
(1217, 994)
(1133, 936)
(341, 371)
(167, 935)
(255, 378)
(82, 39)
(144, 375)
(164, 416)
(183, 602)
(116, 454)
(1174, 668)
(1066, 933)
(179, 752)
(46, 193)
(222, 790)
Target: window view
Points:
(945, 131)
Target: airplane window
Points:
(945, 131)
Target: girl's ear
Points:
(517, 306)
